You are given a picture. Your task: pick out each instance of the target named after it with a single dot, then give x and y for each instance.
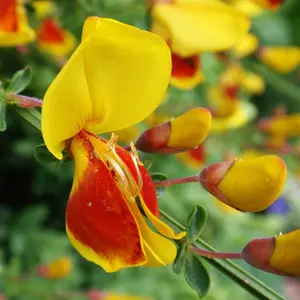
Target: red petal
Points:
(148, 190)
(97, 214)
(8, 16)
(198, 154)
(50, 31)
(184, 67)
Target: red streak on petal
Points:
(8, 16)
(148, 190)
(50, 31)
(198, 154)
(231, 91)
(97, 214)
(184, 67)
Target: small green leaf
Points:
(2, 115)
(180, 258)
(20, 80)
(196, 275)
(195, 223)
(43, 156)
(159, 177)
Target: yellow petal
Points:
(187, 83)
(285, 126)
(239, 118)
(159, 250)
(247, 7)
(281, 59)
(190, 129)
(197, 26)
(246, 46)
(254, 184)
(286, 255)
(116, 68)
(253, 83)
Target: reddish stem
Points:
(170, 182)
(25, 101)
(220, 255)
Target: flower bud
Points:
(279, 255)
(281, 59)
(249, 185)
(246, 46)
(183, 133)
(252, 83)
(283, 126)
(56, 269)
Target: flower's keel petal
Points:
(99, 223)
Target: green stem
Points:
(276, 81)
(234, 272)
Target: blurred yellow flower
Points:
(14, 28)
(283, 59)
(246, 46)
(191, 27)
(193, 158)
(53, 39)
(56, 269)
(126, 135)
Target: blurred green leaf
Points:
(43, 156)
(195, 223)
(2, 115)
(180, 258)
(20, 80)
(196, 275)
(159, 177)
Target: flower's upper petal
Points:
(132, 77)
(116, 78)
(67, 104)
(197, 26)
(99, 222)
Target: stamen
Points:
(137, 163)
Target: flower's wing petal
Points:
(99, 223)
(132, 77)
(201, 26)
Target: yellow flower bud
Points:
(248, 185)
(253, 83)
(56, 269)
(284, 126)
(246, 46)
(247, 7)
(279, 255)
(281, 59)
(183, 133)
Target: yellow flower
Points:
(100, 295)
(269, 4)
(226, 209)
(191, 27)
(43, 8)
(279, 255)
(282, 59)
(110, 82)
(126, 135)
(252, 83)
(14, 28)
(56, 269)
(53, 39)
(182, 133)
(248, 185)
(247, 7)
(246, 46)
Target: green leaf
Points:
(2, 115)
(43, 156)
(196, 275)
(195, 223)
(20, 80)
(180, 258)
(159, 177)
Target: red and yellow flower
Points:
(191, 27)
(14, 28)
(53, 39)
(269, 4)
(110, 83)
